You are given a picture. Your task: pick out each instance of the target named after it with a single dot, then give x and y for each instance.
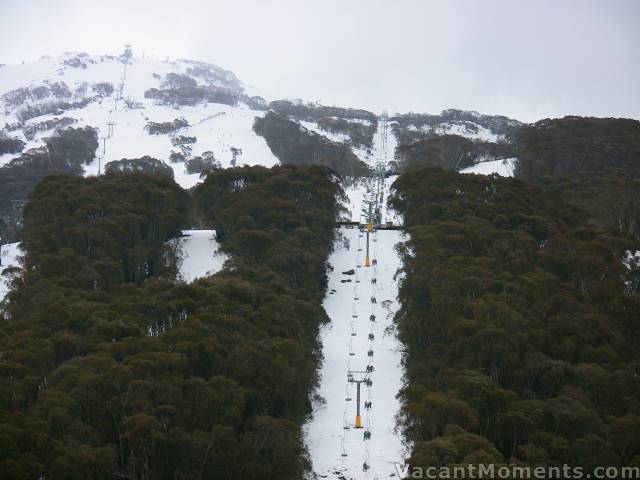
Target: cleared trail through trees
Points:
(361, 303)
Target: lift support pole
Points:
(367, 260)
(358, 378)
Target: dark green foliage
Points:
(450, 152)
(408, 128)
(55, 107)
(294, 145)
(146, 165)
(32, 129)
(570, 145)
(112, 369)
(333, 119)
(521, 332)
(119, 222)
(10, 144)
(103, 89)
(65, 152)
(183, 140)
(20, 96)
(73, 146)
(203, 163)
(595, 162)
(361, 134)
(179, 90)
(310, 111)
(162, 128)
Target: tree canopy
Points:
(520, 326)
(110, 368)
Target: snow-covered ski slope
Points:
(361, 303)
(217, 127)
(199, 255)
(478, 132)
(10, 253)
(338, 450)
(504, 168)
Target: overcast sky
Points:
(525, 59)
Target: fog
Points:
(528, 60)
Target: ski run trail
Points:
(361, 303)
(199, 255)
(360, 338)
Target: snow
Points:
(355, 196)
(326, 436)
(462, 128)
(504, 168)
(10, 254)
(631, 259)
(200, 255)
(217, 127)
(380, 151)
(334, 137)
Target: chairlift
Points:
(346, 425)
(343, 451)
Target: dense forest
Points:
(570, 145)
(413, 127)
(594, 162)
(66, 151)
(295, 145)
(451, 152)
(110, 368)
(521, 326)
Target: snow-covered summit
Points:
(77, 90)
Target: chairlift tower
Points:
(358, 377)
(384, 129)
(370, 200)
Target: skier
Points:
(374, 281)
(370, 353)
(367, 405)
(371, 337)
(367, 435)
(372, 318)
(373, 300)
(365, 466)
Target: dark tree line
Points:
(570, 145)
(292, 144)
(67, 151)
(594, 162)
(522, 333)
(146, 165)
(310, 111)
(450, 152)
(112, 369)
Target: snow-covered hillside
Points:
(464, 129)
(199, 255)
(9, 254)
(504, 168)
(98, 90)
